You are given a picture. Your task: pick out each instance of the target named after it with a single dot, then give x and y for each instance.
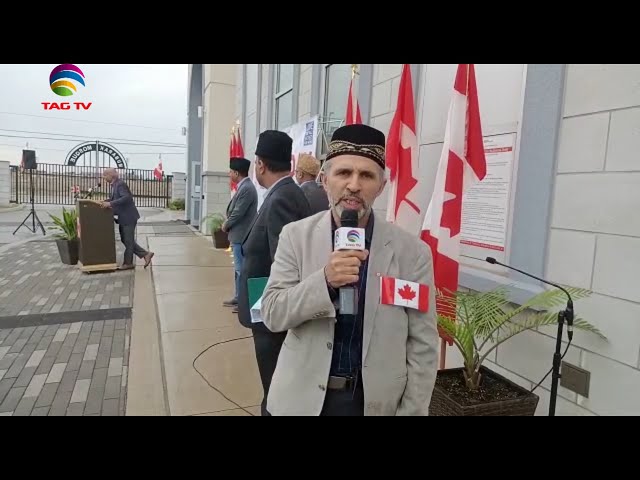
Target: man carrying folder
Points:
(284, 203)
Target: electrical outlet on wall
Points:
(575, 379)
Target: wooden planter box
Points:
(443, 405)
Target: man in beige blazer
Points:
(382, 361)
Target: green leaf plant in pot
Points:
(67, 236)
(214, 224)
(477, 323)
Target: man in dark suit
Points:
(241, 211)
(123, 206)
(284, 203)
(307, 170)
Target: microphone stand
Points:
(565, 315)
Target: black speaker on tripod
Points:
(29, 163)
(29, 160)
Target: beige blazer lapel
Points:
(379, 259)
(322, 243)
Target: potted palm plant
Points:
(214, 224)
(67, 236)
(477, 323)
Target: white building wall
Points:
(594, 235)
(179, 186)
(595, 230)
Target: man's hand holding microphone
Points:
(343, 270)
(344, 267)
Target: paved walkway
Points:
(143, 342)
(34, 281)
(68, 369)
(65, 336)
(192, 346)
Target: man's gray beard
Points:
(338, 209)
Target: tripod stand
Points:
(32, 214)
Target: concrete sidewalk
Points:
(185, 341)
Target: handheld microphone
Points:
(568, 313)
(349, 237)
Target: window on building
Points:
(337, 77)
(283, 96)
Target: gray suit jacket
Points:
(317, 197)
(122, 203)
(400, 345)
(241, 211)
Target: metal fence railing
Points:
(57, 184)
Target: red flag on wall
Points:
(353, 109)
(233, 148)
(462, 163)
(402, 160)
(239, 150)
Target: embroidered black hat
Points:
(239, 164)
(275, 146)
(358, 139)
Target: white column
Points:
(178, 186)
(5, 184)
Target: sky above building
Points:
(138, 109)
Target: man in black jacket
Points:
(284, 203)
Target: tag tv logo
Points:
(64, 81)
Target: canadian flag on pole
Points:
(402, 293)
(402, 160)
(239, 150)
(235, 150)
(353, 109)
(462, 163)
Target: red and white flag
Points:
(239, 152)
(403, 206)
(158, 172)
(402, 293)
(462, 163)
(235, 150)
(353, 109)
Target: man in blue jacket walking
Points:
(122, 204)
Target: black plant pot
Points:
(68, 250)
(220, 239)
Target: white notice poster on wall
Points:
(485, 207)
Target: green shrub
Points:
(67, 226)
(177, 204)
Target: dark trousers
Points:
(128, 237)
(344, 403)
(267, 347)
